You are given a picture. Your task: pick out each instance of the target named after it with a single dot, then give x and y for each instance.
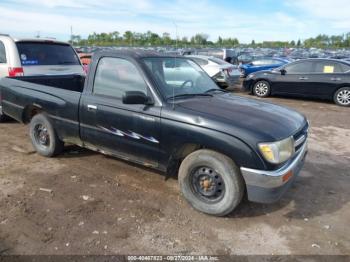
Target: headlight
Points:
(277, 152)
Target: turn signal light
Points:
(287, 176)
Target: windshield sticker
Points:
(30, 62)
(23, 57)
(328, 69)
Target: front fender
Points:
(177, 134)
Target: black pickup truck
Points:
(166, 113)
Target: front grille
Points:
(301, 137)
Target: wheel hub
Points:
(208, 184)
(42, 135)
(261, 89)
(344, 97)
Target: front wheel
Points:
(44, 137)
(342, 96)
(261, 88)
(211, 182)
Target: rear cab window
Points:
(2, 53)
(46, 53)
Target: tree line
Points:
(149, 38)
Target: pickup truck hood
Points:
(245, 118)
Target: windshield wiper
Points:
(188, 95)
(216, 89)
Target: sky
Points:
(261, 20)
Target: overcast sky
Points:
(247, 20)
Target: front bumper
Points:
(247, 83)
(227, 80)
(269, 186)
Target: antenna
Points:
(175, 61)
(71, 35)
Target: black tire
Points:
(228, 189)
(262, 88)
(44, 137)
(3, 118)
(342, 96)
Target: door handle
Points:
(335, 79)
(303, 78)
(91, 107)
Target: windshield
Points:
(37, 53)
(179, 76)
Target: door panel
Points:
(324, 85)
(328, 75)
(296, 79)
(129, 131)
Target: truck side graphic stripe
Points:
(130, 134)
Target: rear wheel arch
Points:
(29, 112)
(43, 136)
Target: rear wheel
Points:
(211, 182)
(43, 136)
(342, 96)
(261, 88)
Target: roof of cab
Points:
(134, 53)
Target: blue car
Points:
(262, 64)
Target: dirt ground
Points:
(101, 205)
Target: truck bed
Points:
(67, 82)
(59, 95)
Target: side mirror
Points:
(283, 71)
(136, 98)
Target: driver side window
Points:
(115, 76)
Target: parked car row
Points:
(311, 78)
